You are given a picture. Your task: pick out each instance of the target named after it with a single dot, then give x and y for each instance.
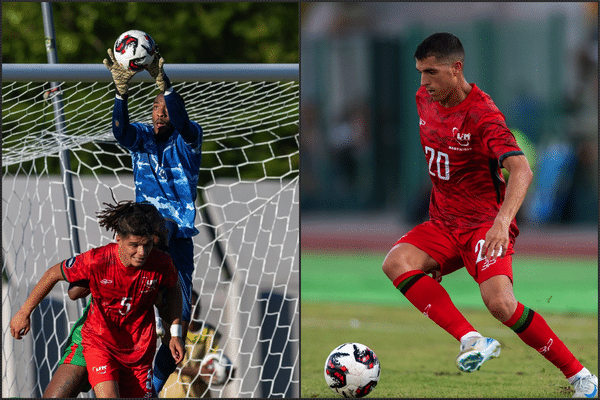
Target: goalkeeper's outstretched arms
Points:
(125, 133)
(190, 131)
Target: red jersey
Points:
(121, 315)
(464, 147)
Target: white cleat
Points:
(586, 386)
(475, 352)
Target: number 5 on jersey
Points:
(126, 304)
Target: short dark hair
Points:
(442, 45)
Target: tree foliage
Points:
(187, 32)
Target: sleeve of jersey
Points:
(125, 133)
(499, 139)
(76, 268)
(190, 131)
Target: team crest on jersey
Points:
(463, 139)
(69, 263)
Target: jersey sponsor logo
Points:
(463, 139)
(106, 281)
(149, 285)
(69, 263)
(100, 370)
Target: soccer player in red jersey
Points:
(471, 215)
(118, 336)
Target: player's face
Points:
(134, 250)
(160, 115)
(440, 78)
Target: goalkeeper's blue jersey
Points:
(165, 174)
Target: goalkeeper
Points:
(166, 162)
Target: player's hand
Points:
(20, 325)
(496, 241)
(177, 348)
(156, 71)
(121, 76)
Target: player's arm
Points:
(178, 116)
(123, 131)
(21, 322)
(78, 290)
(174, 305)
(519, 180)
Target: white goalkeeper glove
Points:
(155, 69)
(121, 75)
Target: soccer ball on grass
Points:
(352, 370)
(134, 50)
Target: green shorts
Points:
(73, 353)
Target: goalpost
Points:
(247, 254)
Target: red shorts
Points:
(135, 381)
(453, 250)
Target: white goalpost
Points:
(247, 254)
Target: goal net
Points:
(246, 255)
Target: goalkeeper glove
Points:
(121, 76)
(155, 69)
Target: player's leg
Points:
(71, 376)
(136, 381)
(103, 371)
(406, 265)
(182, 253)
(107, 390)
(497, 294)
(67, 382)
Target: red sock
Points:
(432, 300)
(535, 332)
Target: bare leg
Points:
(67, 382)
(405, 257)
(498, 297)
(107, 390)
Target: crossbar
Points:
(177, 72)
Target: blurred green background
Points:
(186, 32)
(360, 147)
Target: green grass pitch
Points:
(417, 357)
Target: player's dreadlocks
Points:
(131, 218)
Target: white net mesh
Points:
(248, 216)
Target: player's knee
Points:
(502, 308)
(396, 263)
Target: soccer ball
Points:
(134, 50)
(352, 370)
(219, 366)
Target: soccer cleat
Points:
(475, 352)
(586, 386)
